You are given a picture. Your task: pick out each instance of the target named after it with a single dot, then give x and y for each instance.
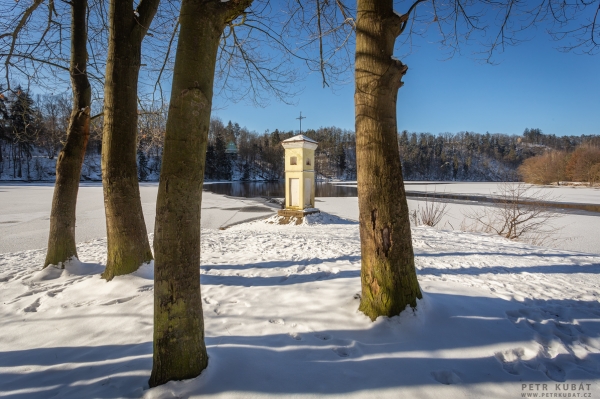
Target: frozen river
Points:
(25, 211)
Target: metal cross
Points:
(301, 117)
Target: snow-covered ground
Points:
(576, 230)
(499, 319)
(25, 212)
(568, 194)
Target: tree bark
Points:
(61, 241)
(128, 245)
(179, 349)
(388, 276)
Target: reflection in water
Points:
(275, 189)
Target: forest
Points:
(33, 131)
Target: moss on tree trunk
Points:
(179, 349)
(128, 245)
(388, 276)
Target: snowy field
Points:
(569, 194)
(498, 319)
(25, 212)
(576, 230)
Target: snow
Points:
(577, 230)
(25, 212)
(563, 194)
(299, 137)
(566, 194)
(280, 309)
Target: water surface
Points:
(275, 189)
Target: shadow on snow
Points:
(405, 351)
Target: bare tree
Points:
(389, 281)
(519, 212)
(206, 28)
(57, 112)
(61, 241)
(179, 349)
(33, 47)
(35, 43)
(582, 162)
(388, 276)
(544, 169)
(594, 174)
(151, 137)
(128, 245)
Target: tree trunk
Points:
(179, 349)
(128, 245)
(61, 242)
(388, 276)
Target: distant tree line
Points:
(478, 157)
(261, 156)
(559, 159)
(463, 156)
(31, 129)
(556, 166)
(28, 128)
(460, 156)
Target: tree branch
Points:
(404, 17)
(15, 34)
(146, 10)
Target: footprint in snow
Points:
(54, 293)
(210, 301)
(554, 372)
(341, 352)
(510, 360)
(446, 377)
(146, 288)
(33, 307)
(118, 301)
(78, 304)
(277, 321)
(514, 316)
(296, 336)
(323, 337)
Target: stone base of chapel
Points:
(296, 216)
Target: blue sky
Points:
(534, 85)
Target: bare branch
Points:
(15, 33)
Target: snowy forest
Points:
(33, 130)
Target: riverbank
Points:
(25, 212)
